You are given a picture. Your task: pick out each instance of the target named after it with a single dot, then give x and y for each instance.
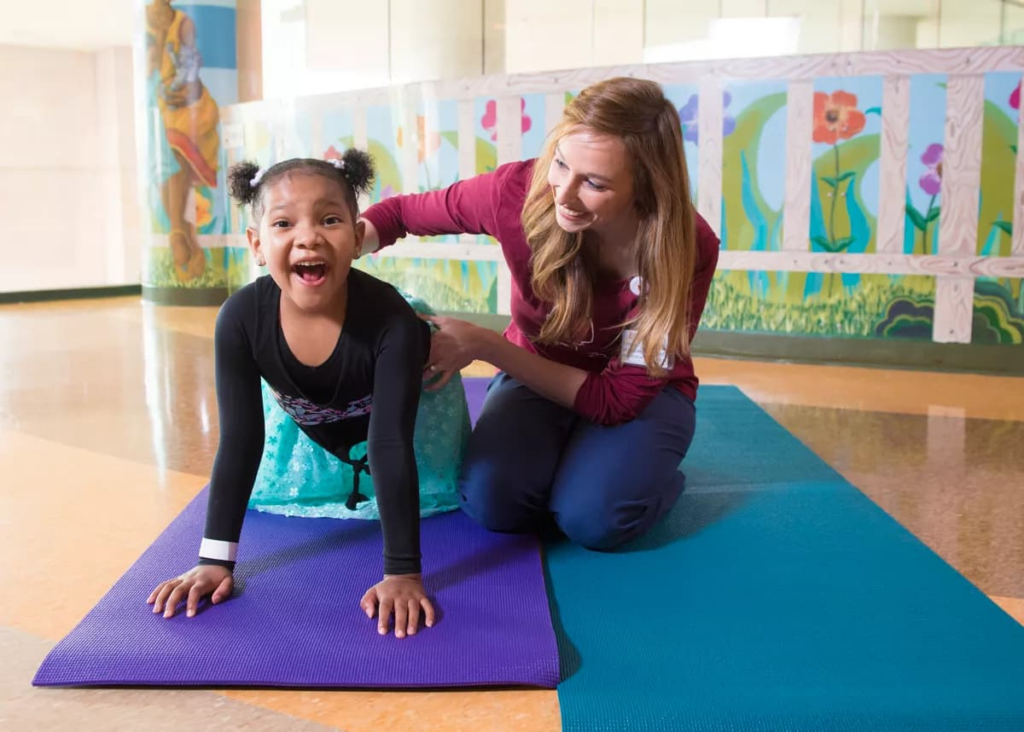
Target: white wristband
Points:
(224, 551)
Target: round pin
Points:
(634, 285)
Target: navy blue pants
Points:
(530, 460)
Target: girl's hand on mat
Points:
(404, 595)
(192, 586)
(453, 346)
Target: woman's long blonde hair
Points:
(637, 112)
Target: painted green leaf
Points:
(830, 182)
(486, 156)
(846, 176)
(933, 214)
(1004, 226)
(388, 173)
(822, 242)
(744, 143)
(874, 110)
(916, 218)
(999, 132)
(856, 155)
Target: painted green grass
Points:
(227, 267)
(444, 284)
(854, 313)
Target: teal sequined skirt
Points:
(297, 477)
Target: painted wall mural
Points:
(844, 135)
(450, 285)
(188, 72)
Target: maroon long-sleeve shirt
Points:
(614, 391)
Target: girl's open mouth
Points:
(311, 273)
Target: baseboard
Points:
(891, 353)
(80, 293)
(186, 296)
(869, 352)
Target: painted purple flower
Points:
(931, 182)
(689, 114)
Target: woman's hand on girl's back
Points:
(454, 345)
(404, 595)
(192, 586)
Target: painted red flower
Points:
(490, 119)
(836, 117)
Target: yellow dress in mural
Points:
(191, 129)
(190, 119)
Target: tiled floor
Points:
(108, 427)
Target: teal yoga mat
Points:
(776, 596)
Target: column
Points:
(186, 65)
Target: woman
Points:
(593, 409)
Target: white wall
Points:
(82, 25)
(494, 36)
(325, 46)
(321, 46)
(968, 23)
(884, 32)
(618, 32)
(440, 39)
(542, 35)
(67, 180)
(683, 31)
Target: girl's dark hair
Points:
(354, 171)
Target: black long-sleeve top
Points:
(367, 390)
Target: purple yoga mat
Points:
(295, 617)
(476, 392)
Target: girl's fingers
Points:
(177, 595)
(165, 590)
(369, 602)
(414, 617)
(224, 589)
(384, 615)
(194, 595)
(428, 612)
(401, 618)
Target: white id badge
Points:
(635, 356)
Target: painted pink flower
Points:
(332, 154)
(490, 119)
(387, 192)
(1015, 97)
(931, 181)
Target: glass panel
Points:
(900, 25)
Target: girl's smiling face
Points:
(308, 236)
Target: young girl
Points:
(593, 409)
(343, 355)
